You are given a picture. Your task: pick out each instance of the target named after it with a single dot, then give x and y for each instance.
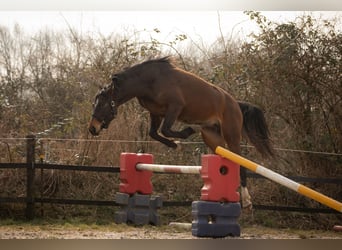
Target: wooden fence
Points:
(32, 166)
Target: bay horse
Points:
(169, 94)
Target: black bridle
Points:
(113, 111)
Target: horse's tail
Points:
(255, 128)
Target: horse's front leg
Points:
(155, 124)
(169, 119)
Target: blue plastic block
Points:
(138, 209)
(215, 219)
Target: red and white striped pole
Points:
(169, 168)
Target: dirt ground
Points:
(114, 231)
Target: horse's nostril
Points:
(92, 130)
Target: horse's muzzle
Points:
(93, 131)
(95, 127)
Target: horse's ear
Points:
(115, 81)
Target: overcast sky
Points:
(307, 5)
(203, 25)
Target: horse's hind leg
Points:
(155, 124)
(232, 135)
(212, 137)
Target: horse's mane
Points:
(158, 62)
(166, 59)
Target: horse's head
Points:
(105, 110)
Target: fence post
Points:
(30, 173)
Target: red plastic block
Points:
(133, 180)
(221, 179)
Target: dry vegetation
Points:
(48, 82)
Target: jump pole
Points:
(282, 180)
(169, 168)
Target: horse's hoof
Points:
(171, 144)
(248, 206)
(178, 145)
(246, 198)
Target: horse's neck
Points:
(133, 88)
(137, 84)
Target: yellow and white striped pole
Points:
(282, 180)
